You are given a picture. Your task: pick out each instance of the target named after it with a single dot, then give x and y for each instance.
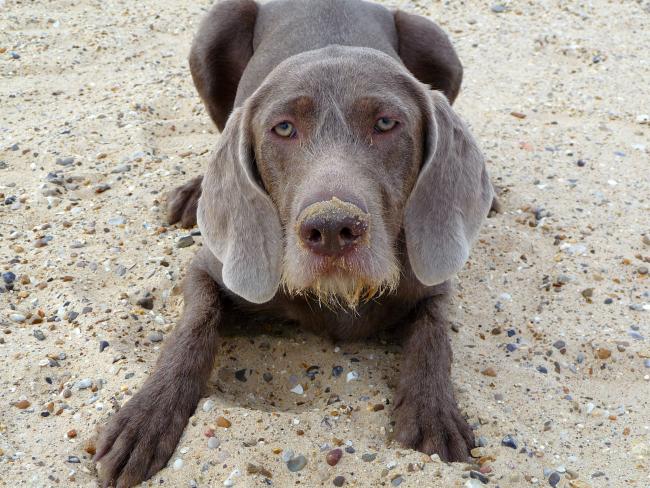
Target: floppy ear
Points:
(450, 199)
(237, 218)
(426, 51)
(220, 52)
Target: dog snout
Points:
(332, 228)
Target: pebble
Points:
(213, 443)
(603, 353)
(146, 302)
(352, 376)
(268, 377)
(184, 241)
(65, 161)
(489, 372)
(337, 371)
(297, 463)
(17, 317)
(155, 336)
(369, 457)
(509, 441)
(479, 476)
(22, 404)
(119, 220)
(38, 333)
(397, 480)
(473, 483)
(74, 459)
(208, 405)
(103, 345)
(498, 8)
(223, 422)
(332, 458)
(338, 481)
(554, 479)
(559, 344)
(8, 277)
(84, 383)
(178, 464)
(298, 389)
(240, 375)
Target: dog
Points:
(344, 193)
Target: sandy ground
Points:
(99, 119)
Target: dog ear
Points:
(451, 196)
(427, 53)
(220, 52)
(237, 218)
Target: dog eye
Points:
(284, 129)
(385, 124)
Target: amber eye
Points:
(284, 129)
(385, 124)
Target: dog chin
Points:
(341, 289)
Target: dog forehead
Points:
(342, 72)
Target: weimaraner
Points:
(344, 193)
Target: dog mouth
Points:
(344, 282)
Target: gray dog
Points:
(343, 194)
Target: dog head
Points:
(318, 173)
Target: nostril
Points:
(314, 236)
(347, 235)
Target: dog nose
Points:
(332, 228)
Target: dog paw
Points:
(139, 440)
(182, 203)
(437, 428)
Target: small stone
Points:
(241, 375)
(642, 270)
(479, 476)
(268, 377)
(369, 457)
(213, 443)
(352, 376)
(542, 369)
(22, 404)
(155, 336)
(74, 459)
(72, 434)
(38, 333)
(560, 344)
(208, 405)
(587, 293)
(17, 317)
(489, 372)
(255, 469)
(337, 371)
(554, 479)
(103, 345)
(298, 389)
(509, 441)
(297, 463)
(603, 353)
(84, 383)
(184, 241)
(65, 161)
(101, 188)
(223, 422)
(118, 220)
(338, 481)
(397, 480)
(9, 277)
(146, 302)
(178, 464)
(498, 8)
(472, 483)
(333, 457)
